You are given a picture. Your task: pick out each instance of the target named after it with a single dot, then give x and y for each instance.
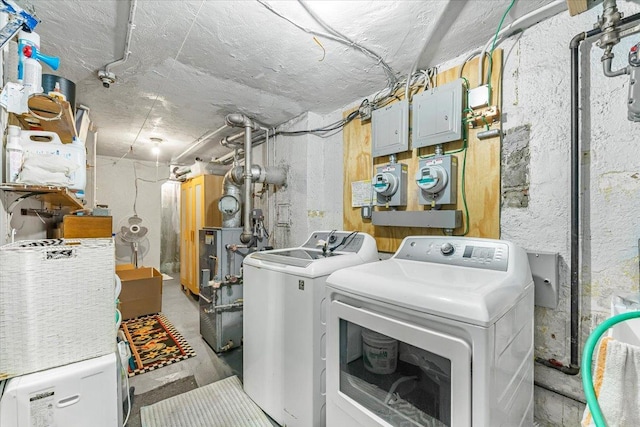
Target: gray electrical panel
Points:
(437, 115)
(390, 184)
(390, 129)
(437, 180)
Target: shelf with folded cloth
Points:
(56, 196)
(48, 110)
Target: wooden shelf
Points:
(57, 196)
(65, 126)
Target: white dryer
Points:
(285, 322)
(446, 337)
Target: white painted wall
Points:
(312, 198)
(116, 188)
(536, 81)
(536, 92)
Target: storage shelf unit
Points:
(65, 126)
(56, 196)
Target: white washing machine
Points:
(76, 395)
(446, 337)
(285, 323)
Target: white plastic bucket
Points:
(379, 352)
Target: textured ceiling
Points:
(193, 62)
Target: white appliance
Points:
(77, 395)
(285, 323)
(452, 342)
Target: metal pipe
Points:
(195, 144)
(606, 68)
(247, 234)
(575, 189)
(229, 139)
(263, 174)
(127, 43)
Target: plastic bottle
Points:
(29, 69)
(55, 93)
(14, 153)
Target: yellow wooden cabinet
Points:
(198, 208)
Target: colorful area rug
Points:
(154, 343)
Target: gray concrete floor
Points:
(182, 311)
(206, 367)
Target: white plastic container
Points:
(379, 352)
(48, 143)
(76, 395)
(13, 154)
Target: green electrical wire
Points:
(587, 359)
(493, 45)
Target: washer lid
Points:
(295, 256)
(467, 294)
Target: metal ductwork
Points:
(240, 120)
(267, 175)
(241, 178)
(230, 203)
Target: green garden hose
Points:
(587, 358)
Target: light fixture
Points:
(156, 147)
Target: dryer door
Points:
(384, 371)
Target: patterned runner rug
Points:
(154, 343)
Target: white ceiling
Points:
(193, 62)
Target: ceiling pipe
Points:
(105, 75)
(199, 142)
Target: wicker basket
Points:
(56, 303)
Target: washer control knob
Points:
(447, 249)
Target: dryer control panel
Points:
(477, 253)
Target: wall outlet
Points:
(479, 97)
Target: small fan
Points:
(132, 232)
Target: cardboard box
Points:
(141, 292)
(83, 226)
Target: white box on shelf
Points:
(57, 303)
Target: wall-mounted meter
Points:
(390, 184)
(437, 180)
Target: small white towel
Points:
(616, 381)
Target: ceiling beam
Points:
(576, 6)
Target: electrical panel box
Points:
(437, 180)
(437, 115)
(390, 184)
(390, 129)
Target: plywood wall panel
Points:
(482, 171)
